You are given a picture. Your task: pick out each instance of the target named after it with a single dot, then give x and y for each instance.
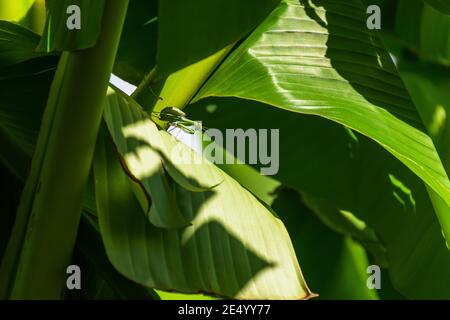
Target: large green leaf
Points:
(235, 247)
(193, 38)
(126, 120)
(320, 59)
(339, 274)
(147, 156)
(58, 37)
(191, 31)
(357, 178)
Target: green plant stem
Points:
(44, 234)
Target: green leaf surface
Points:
(234, 247)
(347, 223)
(25, 80)
(58, 37)
(440, 5)
(192, 31)
(17, 44)
(320, 59)
(58, 174)
(428, 84)
(166, 295)
(147, 159)
(415, 27)
(137, 49)
(194, 174)
(334, 265)
(35, 17)
(101, 280)
(14, 10)
(25, 88)
(338, 274)
(354, 176)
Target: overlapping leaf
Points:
(320, 59)
(192, 31)
(147, 159)
(234, 247)
(347, 178)
(339, 274)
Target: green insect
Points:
(177, 118)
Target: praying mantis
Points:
(177, 118)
